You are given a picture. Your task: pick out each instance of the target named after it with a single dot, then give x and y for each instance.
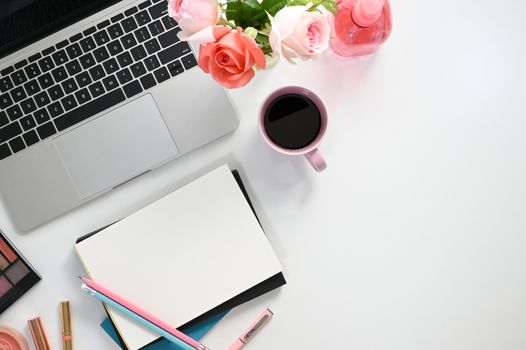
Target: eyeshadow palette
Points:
(16, 275)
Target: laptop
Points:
(94, 93)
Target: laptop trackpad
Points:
(116, 147)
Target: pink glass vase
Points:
(360, 27)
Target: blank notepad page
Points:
(182, 255)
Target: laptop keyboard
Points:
(88, 73)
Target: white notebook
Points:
(182, 255)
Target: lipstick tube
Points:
(67, 333)
(38, 333)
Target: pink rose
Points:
(230, 60)
(194, 15)
(299, 33)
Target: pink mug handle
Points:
(316, 160)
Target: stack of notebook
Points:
(186, 258)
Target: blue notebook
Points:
(197, 331)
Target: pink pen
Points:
(143, 314)
(252, 330)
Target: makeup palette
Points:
(16, 275)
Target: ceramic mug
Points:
(303, 105)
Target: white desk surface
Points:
(412, 239)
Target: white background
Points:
(412, 239)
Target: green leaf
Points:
(246, 13)
(273, 6)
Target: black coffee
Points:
(292, 121)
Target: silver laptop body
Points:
(142, 132)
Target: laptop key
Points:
(115, 48)
(60, 57)
(18, 94)
(28, 123)
(46, 64)
(46, 130)
(131, 11)
(158, 10)
(83, 79)
(70, 86)
(55, 92)
(83, 96)
(14, 112)
(20, 64)
(75, 37)
(125, 59)
(169, 22)
(87, 61)
(110, 83)
(59, 74)
(10, 131)
(161, 74)
(5, 151)
(129, 24)
(4, 120)
(174, 52)
(17, 144)
(142, 18)
(69, 103)
(87, 44)
(103, 24)
(42, 99)
(128, 41)
(32, 71)
(7, 70)
(152, 63)
(5, 84)
(169, 38)
(101, 54)
(28, 106)
(45, 81)
(156, 28)
(124, 76)
(32, 87)
(152, 46)
(142, 34)
(73, 67)
(19, 77)
(35, 57)
(148, 81)
(96, 89)
(144, 5)
(62, 44)
(97, 73)
(115, 31)
(175, 68)
(189, 61)
(138, 69)
(117, 18)
(5, 101)
(55, 109)
(138, 53)
(74, 51)
(102, 38)
(111, 66)
(90, 109)
(132, 88)
(30, 137)
(89, 31)
(41, 116)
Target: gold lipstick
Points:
(67, 334)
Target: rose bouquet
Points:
(237, 37)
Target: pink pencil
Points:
(143, 313)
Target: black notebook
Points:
(214, 184)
